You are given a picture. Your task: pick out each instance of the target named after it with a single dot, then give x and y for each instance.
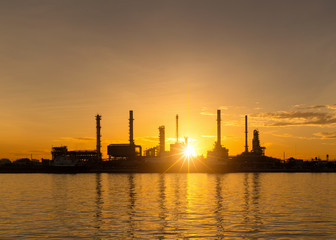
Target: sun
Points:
(189, 151)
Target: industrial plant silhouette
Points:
(130, 158)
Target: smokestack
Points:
(219, 144)
(246, 146)
(98, 118)
(131, 140)
(162, 148)
(177, 128)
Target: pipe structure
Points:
(131, 139)
(98, 118)
(246, 146)
(177, 136)
(219, 128)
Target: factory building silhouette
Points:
(125, 151)
(129, 157)
(119, 153)
(219, 152)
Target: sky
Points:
(64, 61)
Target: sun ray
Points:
(187, 154)
(184, 160)
(192, 160)
(189, 151)
(206, 165)
(154, 181)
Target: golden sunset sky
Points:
(64, 61)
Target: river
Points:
(168, 206)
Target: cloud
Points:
(77, 139)
(232, 123)
(148, 139)
(223, 107)
(208, 136)
(319, 135)
(283, 135)
(317, 106)
(326, 135)
(223, 136)
(302, 107)
(208, 113)
(332, 144)
(173, 140)
(297, 118)
(224, 116)
(287, 135)
(85, 138)
(82, 138)
(205, 111)
(231, 137)
(332, 106)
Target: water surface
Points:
(170, 206)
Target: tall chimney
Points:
(162, 140)
(177, 128)
(219, 144)
(131, 140)
(246, 146)
(98, 118)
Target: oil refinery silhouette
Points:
(129, 157)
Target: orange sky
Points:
(62, 62)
